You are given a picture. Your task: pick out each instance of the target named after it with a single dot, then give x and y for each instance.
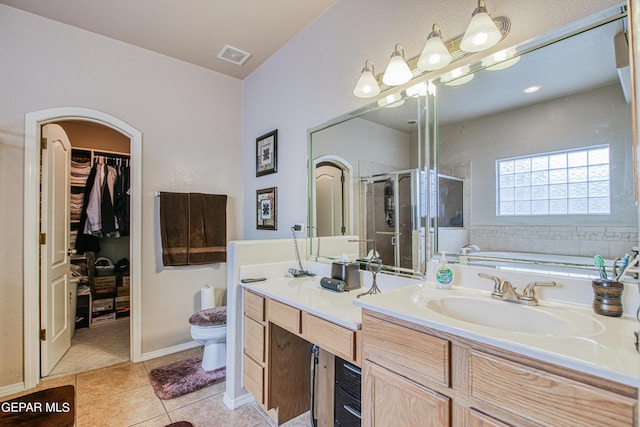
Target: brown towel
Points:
(193, 228)
(207, 228)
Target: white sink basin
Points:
(509, 316)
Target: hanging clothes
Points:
(105, 211)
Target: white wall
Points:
(191, 122)
(310, 80)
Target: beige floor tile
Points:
(211, 412)
(126, 408)
(303, 420)
(160, 421)
(107, 381)
(188, 399)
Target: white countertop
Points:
(606, 349)
(305, 293)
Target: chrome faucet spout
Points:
(509, 292)
(468, 248)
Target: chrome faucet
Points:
(468, 248)
(505, 291)
(464, 251)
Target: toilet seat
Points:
(209, 317)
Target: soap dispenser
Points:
(443, 273)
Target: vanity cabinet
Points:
(452, 381)
(253, 373)
(277, 354)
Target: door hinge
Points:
(43, 143)
(43, 238)
(43, 334)
(343, 230)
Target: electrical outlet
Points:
(298, 227)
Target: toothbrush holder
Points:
(607, 297)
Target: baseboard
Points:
(12, 389)
(233, 404)
(169, 350)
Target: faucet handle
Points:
(529, 295)
(498, 285)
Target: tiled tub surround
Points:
(608, 241)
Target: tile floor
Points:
(121, 395)
(93, 348)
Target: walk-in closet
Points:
(99, 242)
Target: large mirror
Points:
(365, 183)
(520, 176)
(544, 148)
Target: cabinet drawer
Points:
(417, 355)
(254, 339)
(284, 316)
(254, 306)
(253, 378)
(478, 419)
(545, 398)
(334, 338)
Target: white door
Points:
(330, 215)
(54, 252)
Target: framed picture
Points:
(267, 153)
(267, 209)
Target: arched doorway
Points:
(33, 124)
(332, 192)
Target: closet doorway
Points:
(127, 143)
(99, 286)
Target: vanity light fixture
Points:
(392, 100)
(397, 71)
(500, 60)
(458, 76)
(367, 85)
(435, 54)
(482, 32)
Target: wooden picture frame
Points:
(267, 153)
(267, 209)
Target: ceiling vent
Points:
(232, 54)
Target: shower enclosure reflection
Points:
(392, 218)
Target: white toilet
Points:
(209, 327)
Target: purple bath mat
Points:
(183, 377)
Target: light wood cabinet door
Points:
(254, 337)
(254, 306)
(253, 378)
(334, 338)
(545, 398)
(392, 400)
(478, 419)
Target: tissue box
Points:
(348, 272)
